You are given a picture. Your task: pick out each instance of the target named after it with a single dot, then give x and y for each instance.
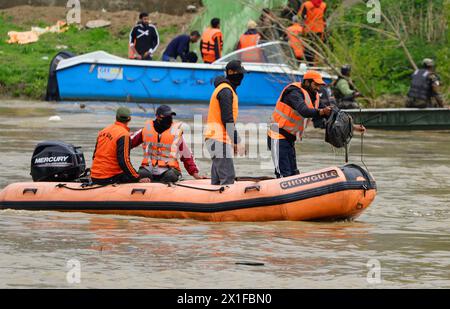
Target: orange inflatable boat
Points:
(330, 194)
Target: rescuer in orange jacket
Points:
(250, 38)
(211, 44)
(298, 103)
(163, 144)
(111, 160)
(221, 136)
(294, 35)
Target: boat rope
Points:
(220, 190)
(362, 141)
(83, 188)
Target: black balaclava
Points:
(163, 124)
(236, 79)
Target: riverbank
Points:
(24, 68)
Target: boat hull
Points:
(329, 194)
(403, 118)
(102, 77)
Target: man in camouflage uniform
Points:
(424, 91)
(344, 92)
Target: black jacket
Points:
(144, 38)
(225, 97)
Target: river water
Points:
(403, 239)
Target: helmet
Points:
(427, 62)
(346, 69)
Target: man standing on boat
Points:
(221, 136)
(298, 103)
(163, 144)
(144, 39)
(211, 44)
(344, 92)
(179, 47)
(425, 87)
(111, 160)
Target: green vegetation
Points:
(382, 67)
(24, 68)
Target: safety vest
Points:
(161, 149)
(314, 21)
(293, 33)
(207, 44)
(105, 164)
(215, 128)
(250, 40)
(420, 85)
(286, 118)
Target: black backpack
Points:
(339, 128)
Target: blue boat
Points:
(99, 76)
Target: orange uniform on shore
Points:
(211, 45)
(293, 34)
(313, 13)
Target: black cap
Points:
(236, 65)
(165, 111)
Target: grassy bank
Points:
(382, 53)
(24, 68)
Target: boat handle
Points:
(32, 190)
(200, 82)
(138, 191)
(251, 188)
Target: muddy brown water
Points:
(406, 231)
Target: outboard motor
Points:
(55, 161)
(52, 84)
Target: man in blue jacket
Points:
(179, 47)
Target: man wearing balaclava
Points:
(163, 143)
(221, 137)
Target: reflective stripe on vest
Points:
(162, 152)
(207, 44)
(314, 21)
(286, 118)
(214, 127)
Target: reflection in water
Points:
(406, 229)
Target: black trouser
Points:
(284, 157)
(121, 178)
(170, 176)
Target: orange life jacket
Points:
(250, 40)
(215, 129)
(161, 149)
(106, 164)
(315, 21)
(207, 44)
(131, 53)
(293, 33)
(286, 118)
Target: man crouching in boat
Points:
(111, 161)
(289, 120)
(163, 143)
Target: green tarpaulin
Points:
(234, 15)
